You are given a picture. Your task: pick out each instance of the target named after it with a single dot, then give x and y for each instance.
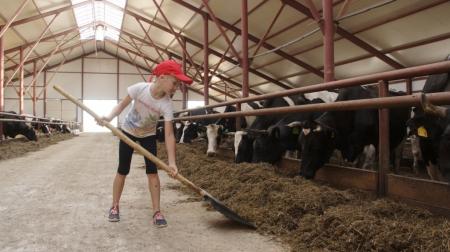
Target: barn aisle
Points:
(58, 198)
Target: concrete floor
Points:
(57, 199)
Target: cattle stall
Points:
(430, 194)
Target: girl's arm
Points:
(118, 109)
(170, 146)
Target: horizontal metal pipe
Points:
(38, 122)
(386, 102)
(434, 68)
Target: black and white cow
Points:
(222, 129)
(177, 130)
(348, 131)
(192, 130)
(12, 129)
(244, 141)
(41, 126)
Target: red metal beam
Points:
(16, 14)
(34, 88)
(314, 12)
(352, 38)
(373, 103)
(21, 82)
(219, 26)
(175, 34)
(46, 14)
(244, 35)
(214, 52)
(205, 60)
(2, 78)
(269, 29)
(383, 140)
(31, 49)
(434, 68)
(35, 76)
(328, 40)
(343, 9)
(256, 40)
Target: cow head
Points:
(29, 133)
(213, 134)
(189, 133)
(317, 144)
(268, 145)
(178, 129)
(243, 147)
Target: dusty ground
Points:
(311, 216)
(57, 198)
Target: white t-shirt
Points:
(145, 111)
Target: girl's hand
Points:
(102, 120)
(174, 170)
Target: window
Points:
(195, 104)
(99, 19)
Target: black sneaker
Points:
(114, 214)
(158, 220)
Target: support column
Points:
(2, 81)
(383, 144)
(244, 57)
(82, 91)
(205, 60)
(409, 86)
(328, 43)
(21, 74)
(184, 89)
(117, 87)
(45, 94)
(244, 38)
(34, 88)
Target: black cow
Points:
(244, 142)
(282, 136)
(347, 131)
(431, 125)
(12, 129)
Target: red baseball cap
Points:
(171, 67)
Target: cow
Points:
(431, 125)
(347, 131)
(244, 140)
(177, 128)
(429, 128)
(12, 129)
(281, 136)
(221, 129)
(192, 130)
(40, 124)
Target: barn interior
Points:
(56, 188)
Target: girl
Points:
(150, 100)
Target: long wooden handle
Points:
(131, 143)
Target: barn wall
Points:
(100, 82)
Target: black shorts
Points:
(126, 152)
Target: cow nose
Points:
(210, 154)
